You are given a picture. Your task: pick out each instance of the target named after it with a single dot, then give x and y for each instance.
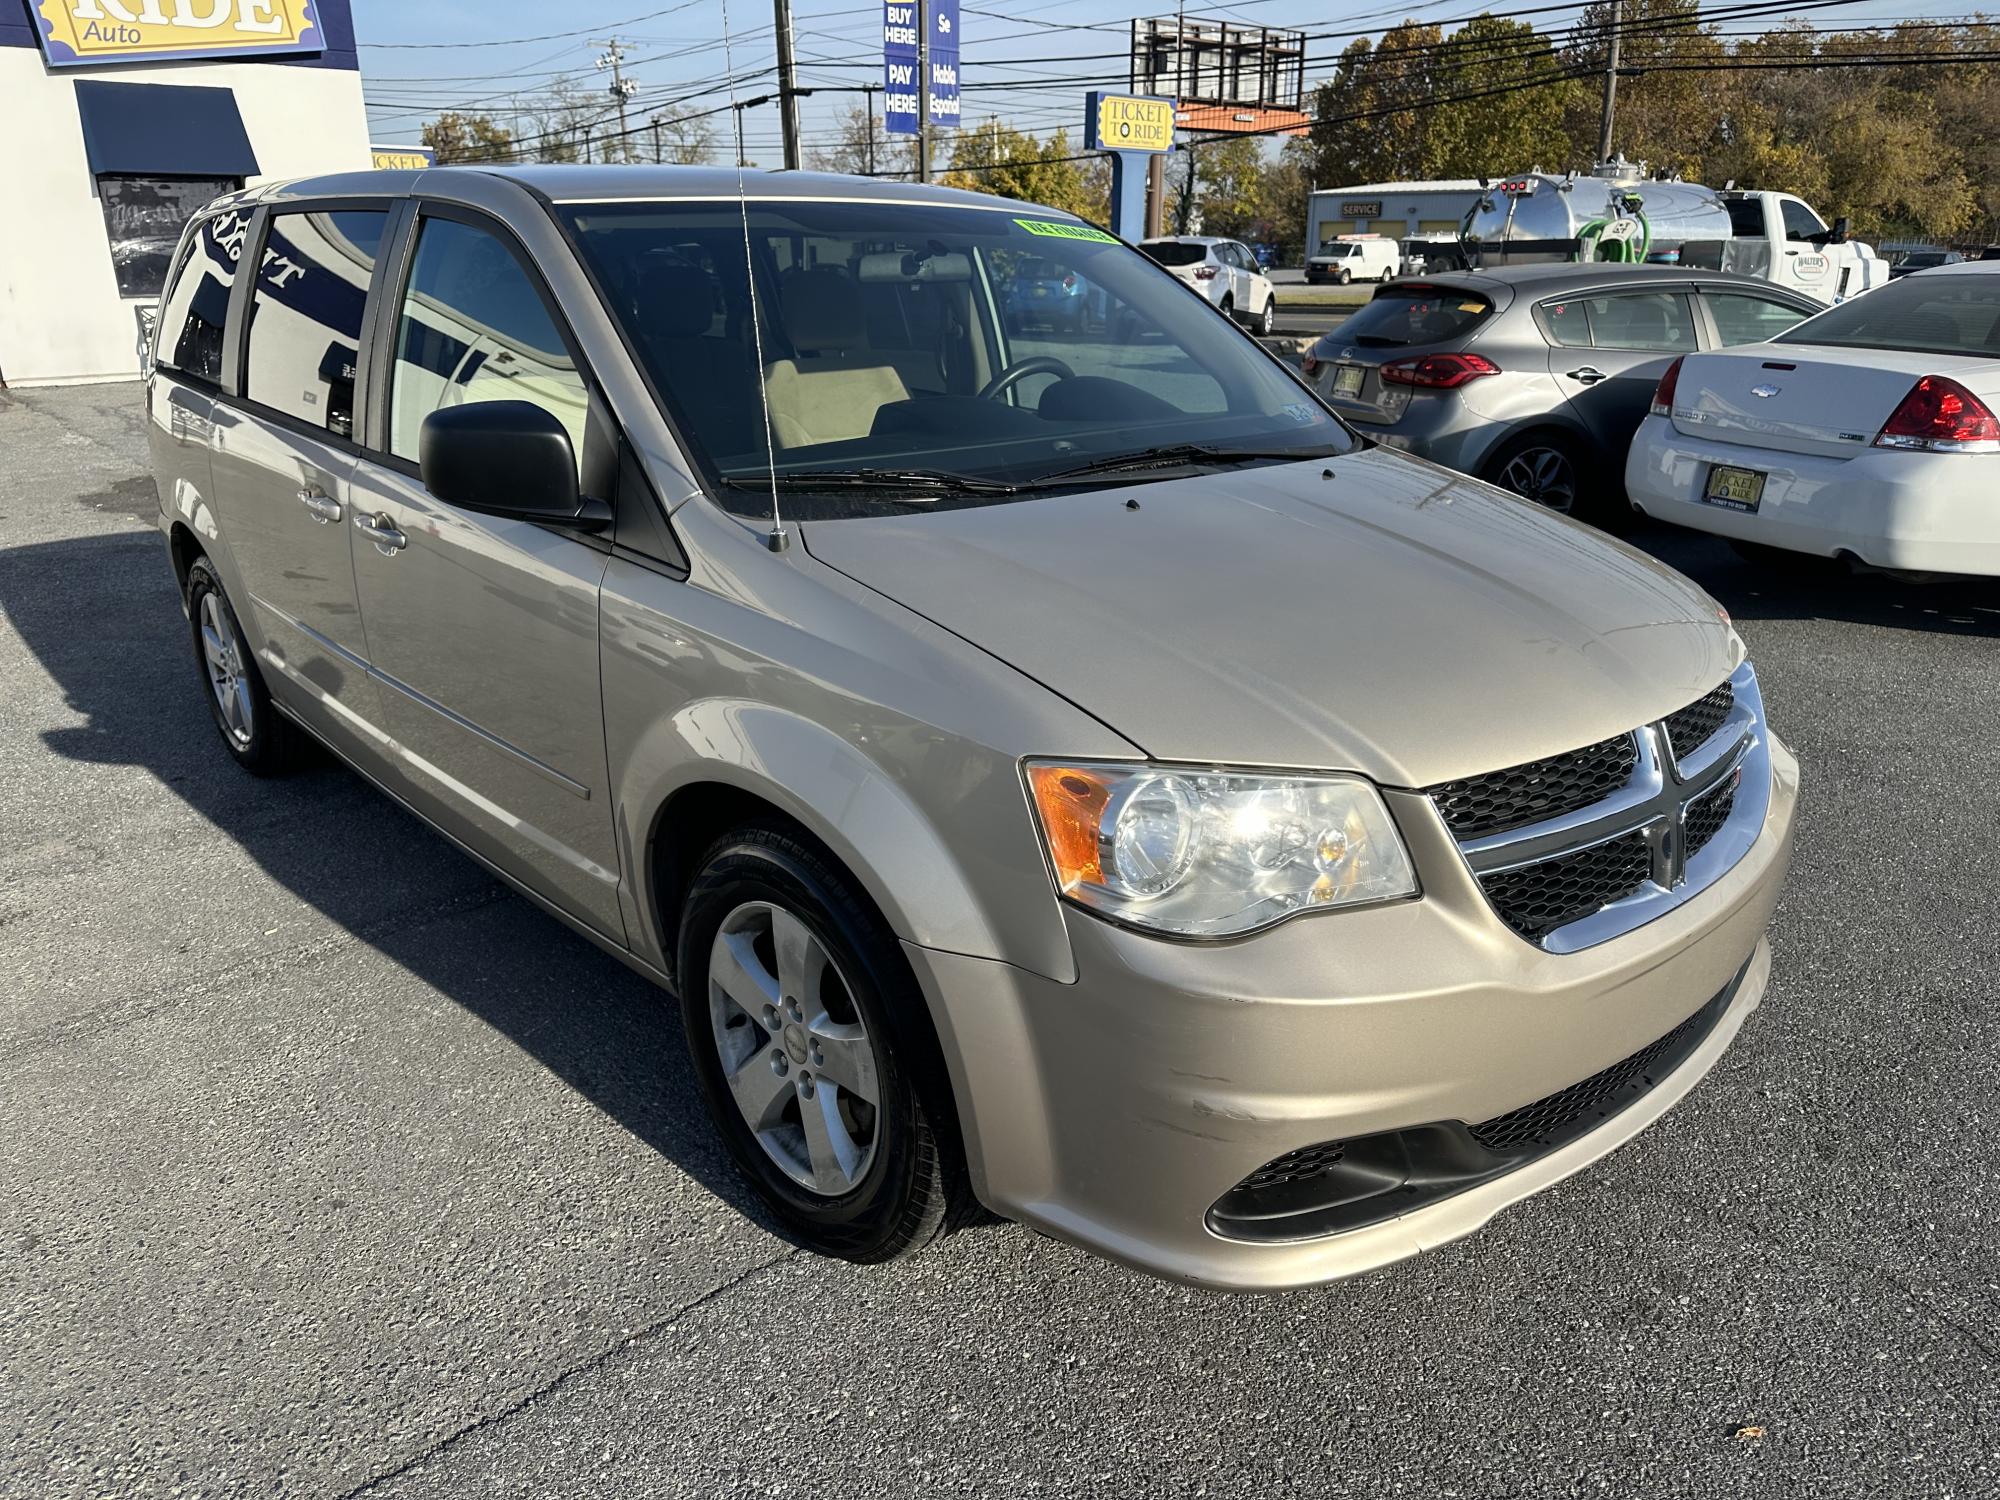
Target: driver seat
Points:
(833, 385)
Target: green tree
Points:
(459, 137)
(996, 158)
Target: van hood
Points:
(1371, 613)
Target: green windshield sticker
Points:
(1049, 230)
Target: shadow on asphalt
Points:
(1750, 591)
(100, 614)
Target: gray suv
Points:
(1535, 377)
(1071, 775)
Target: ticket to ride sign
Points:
(1128, 122)
(75, 32)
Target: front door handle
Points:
(1588, 375)
(325, 509)
(382, 531)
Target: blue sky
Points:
(416, 60)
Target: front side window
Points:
(473, 327)
(1744, 319)
(144, 217)
(306, 311)
(1940, 312)
(189, 336)
(985, 345)
(1801, 223)
(1642, 320)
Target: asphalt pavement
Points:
(330, 1168)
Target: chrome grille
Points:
(1575, 849)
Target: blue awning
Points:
(162, 130)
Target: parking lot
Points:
(330, 1167)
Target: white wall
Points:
(61, 318)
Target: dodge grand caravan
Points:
(1069, 773)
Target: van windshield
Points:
(996, 349)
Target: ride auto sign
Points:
(901, 25)
(96, 32)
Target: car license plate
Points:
(1734, 489)
(1041, 291)
(1347, 380)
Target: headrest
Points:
(674, 300)
(823, 312)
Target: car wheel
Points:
(1345, 276)
(1227, 305)
(261, 742)
(1542, 469)
(811, 1044)
(1267, 321)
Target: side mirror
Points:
(506, 458)
(1842, 227)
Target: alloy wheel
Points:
(223, 656)
(1543, 475)
(796, 1057)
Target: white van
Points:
(1355, 258)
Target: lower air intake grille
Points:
(1695, 725)
(1301, 1165)
(1535, 901)
(1537, 1126)
(1478, 805)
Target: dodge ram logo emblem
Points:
(1764, 392)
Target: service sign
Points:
(1128, 122)
(402, 158)
(76, 32)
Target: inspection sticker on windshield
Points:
(1050, 230)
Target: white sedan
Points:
(1867, 432)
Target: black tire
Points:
(1553, 470)
(1345, 276)
(1228, 305)
(269, 746)
(1267, 320)
(914, 1188)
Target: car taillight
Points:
(1943, 416)
(1663, 393)
(1069, 282)
(1438, 372)
(1204, 273)
(1309, 362)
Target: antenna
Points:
(778, 540)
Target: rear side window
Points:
(1744, 319)
(1415, 314)
(306, 311)
(1177, 255)
(1641, 320)
(473, 327)
(1565, 323)
(189, 338)
(1746, 217)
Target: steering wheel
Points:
(1020, 370)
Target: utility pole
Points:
(1610, 87)
(788, 79)
(923, 91)
(622, 89)
(868, 100)
(656, 140)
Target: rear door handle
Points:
(1588, 375)
(325, 509)
(382, 531)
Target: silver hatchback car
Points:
(1535, 377)
(1074, 776)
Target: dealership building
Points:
(122, 117)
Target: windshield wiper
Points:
(1184, 455)
(933, 481)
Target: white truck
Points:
(1615, 214)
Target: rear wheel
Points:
(1542, 468)
(805, 1028)
(260, 741)
(1228, 305)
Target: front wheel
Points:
(1344, 277)
(1267, 321)
(805, 1028)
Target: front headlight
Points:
(1214, 853)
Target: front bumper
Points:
(1115, 1112)
(1924, 512)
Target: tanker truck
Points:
(1614, 213)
